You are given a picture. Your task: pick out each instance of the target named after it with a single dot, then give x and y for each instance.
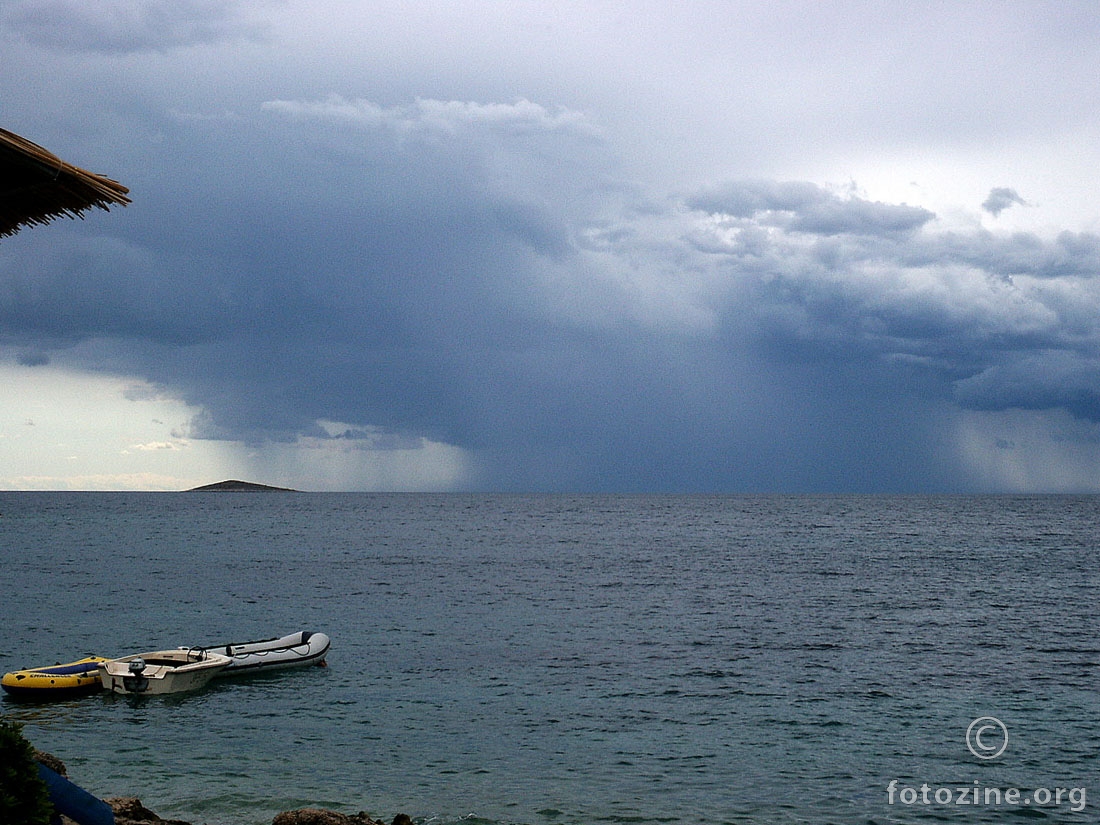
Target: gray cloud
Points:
(33, 359)
(804, 207)
(1006, 320)
(1000, 199)
(125, 26)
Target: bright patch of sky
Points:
(68, 430)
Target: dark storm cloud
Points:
(382, 273)
(69, 288)
(478, 274)
(123, 26)
(1037, 381)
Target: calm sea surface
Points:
(576, 659)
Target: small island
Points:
(234, 486)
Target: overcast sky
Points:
(604, 246)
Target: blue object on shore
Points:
(75, 802)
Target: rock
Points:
(129, 811)
(320, 816)
(51, 762)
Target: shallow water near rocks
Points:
(573, 659)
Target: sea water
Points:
(555, 659)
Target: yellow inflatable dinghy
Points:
(54, 681)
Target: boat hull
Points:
(296, 650)
(55, 681)
(166, 671)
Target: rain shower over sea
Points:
(556, 660)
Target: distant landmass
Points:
(233, 486)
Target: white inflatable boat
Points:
(295, 650)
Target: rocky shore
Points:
(129, 810)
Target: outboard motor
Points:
(136, 681)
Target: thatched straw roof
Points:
(36, 186)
